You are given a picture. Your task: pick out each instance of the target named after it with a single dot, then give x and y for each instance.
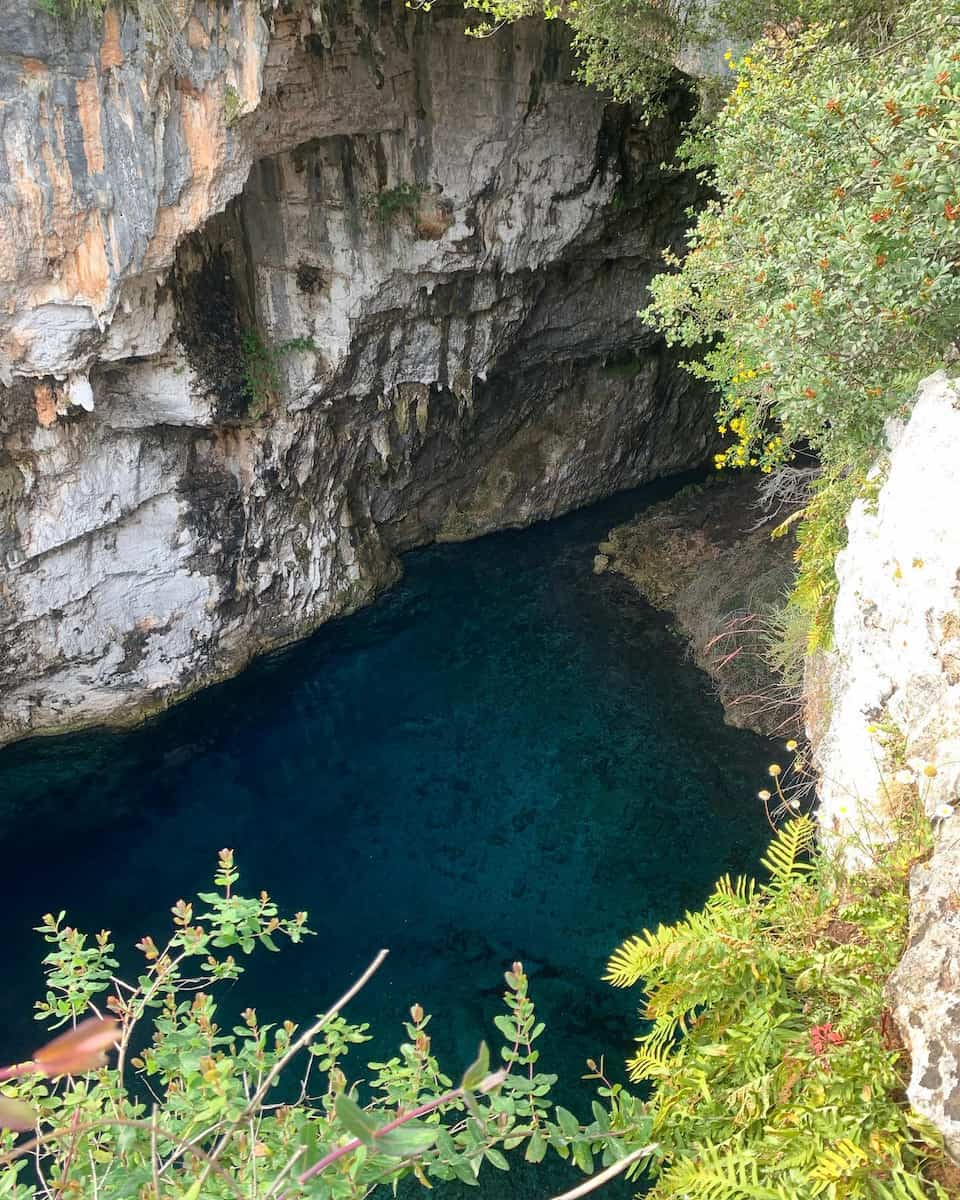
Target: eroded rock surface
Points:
(707, 555)
(894, 675)
(888, 709)
(283, 296)
(925, 988)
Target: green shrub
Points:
(214, 1125)
(825, 269)
(776, 1072)
(261, 367)
(630, 48)
(390, 202)
(821, 282)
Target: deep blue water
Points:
(506, 757)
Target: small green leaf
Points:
(536, 1147)
(568, 1122)
(507, 1026)
(478, 1069)
(354, 1119)
(465, 1173)
(409, 1140)
(498, 1160)
(582, 1157)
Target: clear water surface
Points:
(506, 757)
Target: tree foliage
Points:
(821, 282)
(822, 277)
(631, 48)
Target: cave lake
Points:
(506, 757)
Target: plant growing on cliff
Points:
(775, 1068)
(632, 48)
(391, 202)
(211, 1111)
(261, 367)
(822, 279)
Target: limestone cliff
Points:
(285, 291)
(886, 728)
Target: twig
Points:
(356, 1143)
(154, 1157)
(272, 1075)
(70, 1153)
(41, 1140)
(603, 1177)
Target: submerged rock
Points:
(706, 555)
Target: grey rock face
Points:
(924, 991)
(379, 288)
(897, 661)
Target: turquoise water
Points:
(506, 757)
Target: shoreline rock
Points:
(702, 556)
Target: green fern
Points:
(783, 857)
(717, 1174)
(771, 1077)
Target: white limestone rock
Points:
(897, 629)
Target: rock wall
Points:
(283, 296)
(887, 736)
(706, 554)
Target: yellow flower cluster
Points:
(744, 376)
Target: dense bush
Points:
(631, 48)
(776, 1069)
(193, 1109)
(823, 276)
(821, 283)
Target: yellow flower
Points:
(764, 795)
(774, 769)
(791, 745)
(929, 770)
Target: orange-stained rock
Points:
(46, 404)
(88, 110)
(111, 52)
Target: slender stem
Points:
(356, 1143)
(305, 1039)
(603, 1177)
(42, 1139)
(24, 1068)
(70, 1153)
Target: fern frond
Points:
(743, 890)
(905, 1186)
(628, 962)
(783, 854)
(719, 1174)
(782, 528)
(652, 1062)
(837, 1164)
